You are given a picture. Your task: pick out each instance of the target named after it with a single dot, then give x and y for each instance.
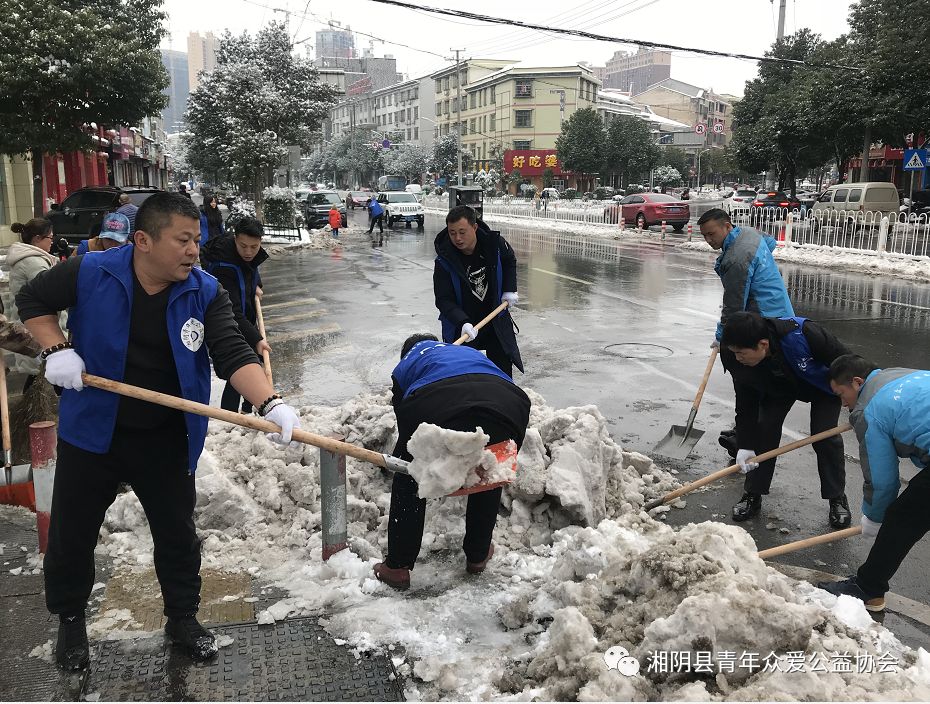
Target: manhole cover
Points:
(639, 350)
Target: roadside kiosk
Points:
(467, 195)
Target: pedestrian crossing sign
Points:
(915, 159)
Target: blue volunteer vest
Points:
(797, 353)
(430, 361)
(87, 418)
(448, 327)
(212, 267)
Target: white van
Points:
(871, 197)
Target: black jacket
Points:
(221, 258)
(774, 377)
(452, 312)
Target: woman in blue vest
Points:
(475, 271)
(778, 361)
(460, 389)
(165, 320)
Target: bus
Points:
(391, 183)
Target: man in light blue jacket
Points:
(751, 281)
(890, 412)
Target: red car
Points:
(645, 209)
(358, 199)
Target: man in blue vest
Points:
(163, 316)
(376, 215)
(234, 261)
(456, 388)
(751, 281)
(475, 271)
(776, 362)
(890, 412)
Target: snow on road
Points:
(579, 570)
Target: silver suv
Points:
(400, 206)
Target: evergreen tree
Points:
(631, 151)
(580, 145)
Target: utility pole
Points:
(782, 6)
(458, 111)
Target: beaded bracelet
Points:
(48, 351)
(262, 408)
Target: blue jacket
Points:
(891, 420)
(103, 340)
(374, 208)
(82, 248)
(431, 361)
(205, 228)
(801, 360)
(750, 277)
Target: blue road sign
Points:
(915, 159)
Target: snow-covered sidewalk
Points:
(587, 596)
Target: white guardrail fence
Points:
(868, 232)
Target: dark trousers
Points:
(230, 400)
(487, 341)
(379, 220)
(155, 464)
(831, 463)
(465, 402)
(907, 520)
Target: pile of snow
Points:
(859, 261)
(579, 570)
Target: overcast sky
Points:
(740, 26)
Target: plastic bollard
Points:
(622, 224)
(663, 229)
(690, 231)
(333, 501)
(42, 444)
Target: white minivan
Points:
(872, 199)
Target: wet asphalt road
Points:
(622, 325)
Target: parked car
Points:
(739, 200)
(807, 199)
(550, 193)
(358, 199)
(316, 207)
(400, 206)
(853, 198)
(74, 217)
(647, 209)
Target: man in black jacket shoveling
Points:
(234, 261)
(780, 361)
(476, 270)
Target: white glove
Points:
(715, 345)
(287, 419)
(742, 459)
(469, 329)
(511, 298)
(64, 369)
(869, 527)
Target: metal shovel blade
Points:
(679, 442)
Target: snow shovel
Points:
(490, 316)
(808, 542)
(266, 356)
(254, 423)
(733, 469)
(681, 439)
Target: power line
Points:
(606, 38)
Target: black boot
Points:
(189, 634)
(72, 651)
(839, 512)
(727, 441)
(748, 506)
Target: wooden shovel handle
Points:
(266, 357)
(252, 422)
(732, 469)
(808, 542)
(707, 371)
(493, 314)
(5, 412)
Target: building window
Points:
(455, 105)
(416, 133)
(523, 118)
(493, 122)
(524, 88)
(445, 83)
(408, 134)
(523, 144)
(493, 95)
(455, 81)
(472, 126)
(414, 93)
(438, 85)
(464, 103)
(473, 100)
(409, 114)
(416, 112)
(439, 108)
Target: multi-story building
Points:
(178, 91)
(614, 103)
(365, 73)
(201, 56)
(635, 71)
(691, 105)
(335, 43)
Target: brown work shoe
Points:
(478, 567)
(396, 577)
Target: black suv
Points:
(81, 210)
(316, 208)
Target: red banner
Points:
(533, 162)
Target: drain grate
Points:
(294, 660)
(639, 350)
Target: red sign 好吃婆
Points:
(532, 162)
